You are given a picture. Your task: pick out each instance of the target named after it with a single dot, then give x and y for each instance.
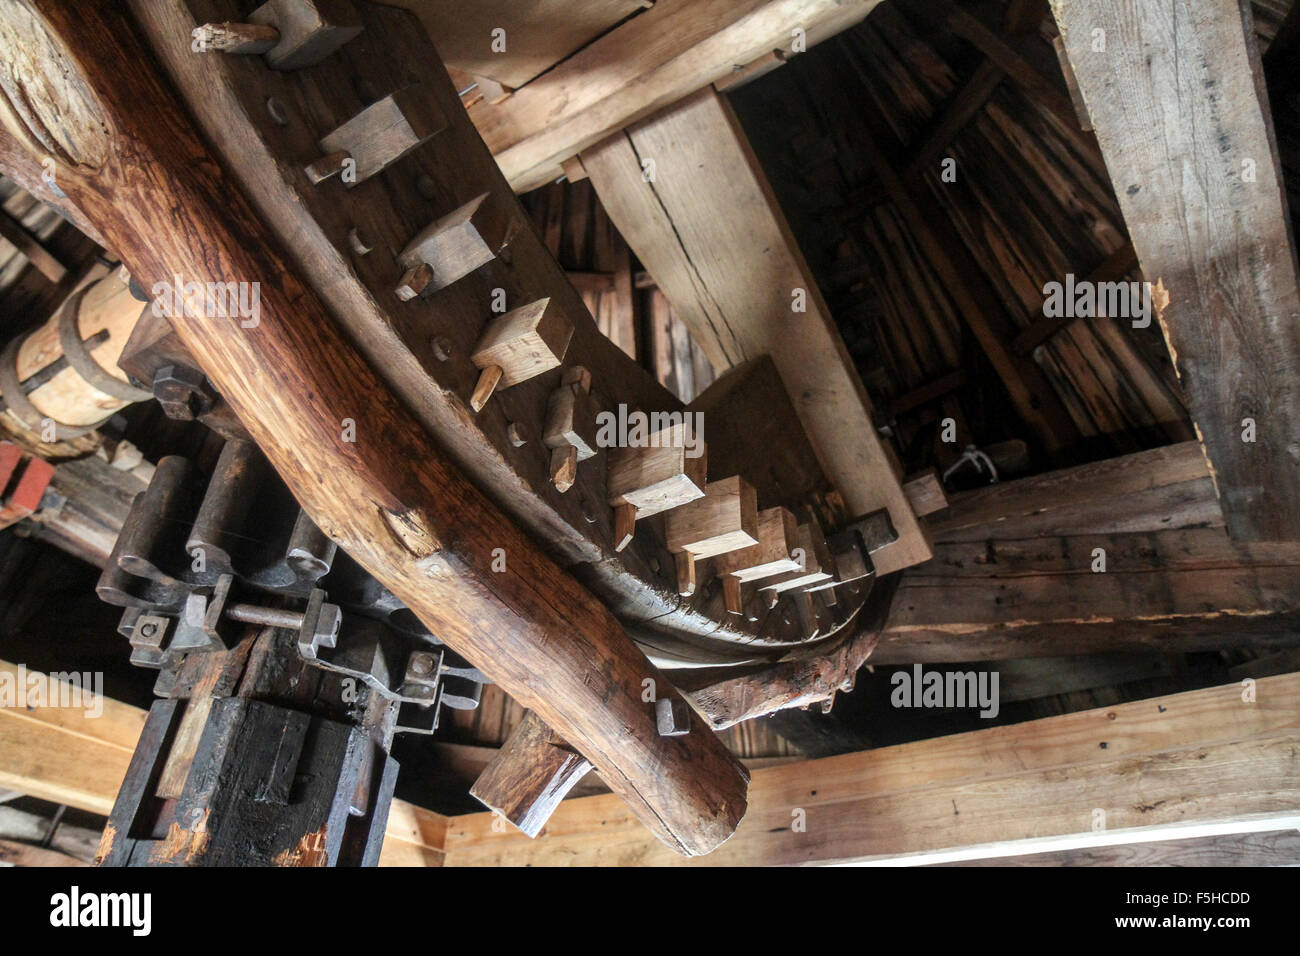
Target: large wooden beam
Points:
(1187, 765)
(741, 284)
(1192, 590)
(136, 167)
(1157, 490)
(654, 59)
(1178, 104)
(536, 35)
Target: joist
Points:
(742, 286)
(1181, 591)
(427, 534)
(1187, 765)
(652, 60)
(1160, 489)
(1181, 114)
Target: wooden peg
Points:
(570, 417)
(414, 282)
(327, 166)
(381, 134)
(486, 385)
(309, 30)
(244, 38)
(564, 467)
(624, 525)
(685, 573)
(725, 519)
(731, 594)
(520, 345)
(816, 557)
(777, 534)
(461, 241)
(667, 474)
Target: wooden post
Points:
(135, 166)
(1177, 100)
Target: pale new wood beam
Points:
(740, 282)
(1186, 765)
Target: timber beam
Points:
(132, 163)
(1205, 762)
(649, 62)
(1181, 591)
(742, 286)
(1176, 96)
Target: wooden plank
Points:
(538, 34)
(969, 287)
(13, 853)
(1171, 591)
(428, 533)
(1160, 489)
(1271, 848)
(654, 59)
(732, 280)
(62, 754)
(1179, 109)
(1187, 764)
(959, 111)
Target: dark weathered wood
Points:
(1180, 113)
(1116, 266)
(975, 299)
(726, 699)
(426, 532)
(530, 775)
(968, 101)
(1171, 591)
(1160, 489)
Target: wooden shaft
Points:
(391, 498)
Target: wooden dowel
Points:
(731, 593)
(685, 573)
(624, 525)
(564, 467)
(487, 384)
(327, 166)
(245, 38)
